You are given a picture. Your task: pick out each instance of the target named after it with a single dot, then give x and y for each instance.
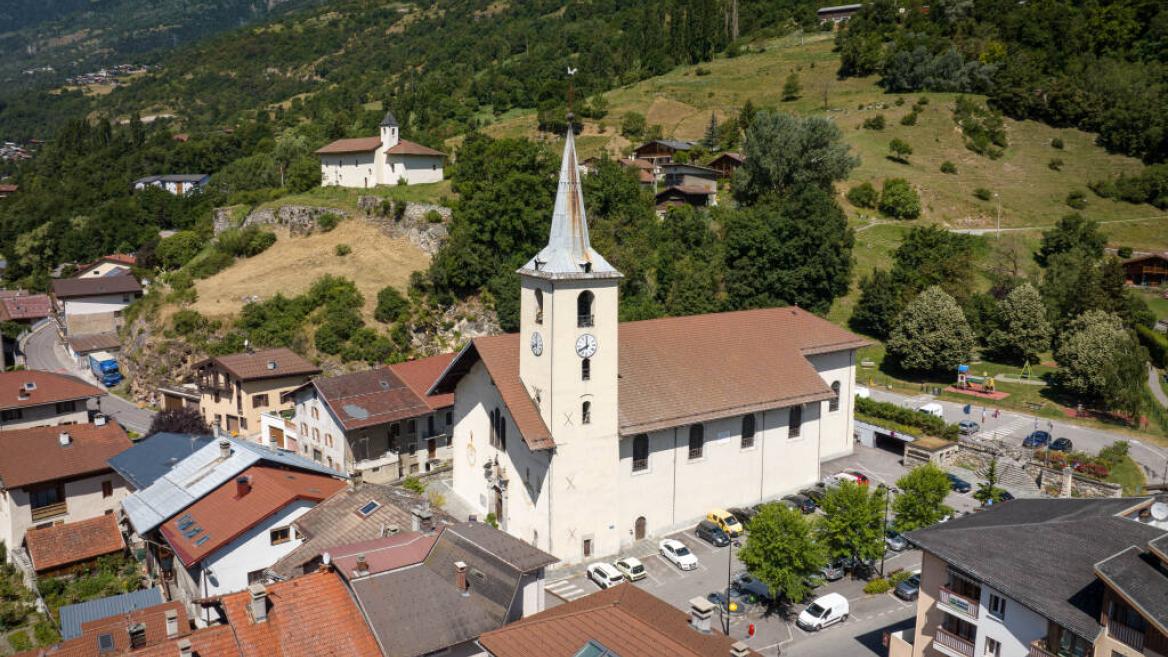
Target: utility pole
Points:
(998, 197)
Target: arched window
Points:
(584, 304)
(697, 441)
(586, 413)
(586, 369)
(640, 452)
(538, 306)
(833, 403)
(747, 431)
(502, 433)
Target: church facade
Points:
(386, 159)
(582, 435)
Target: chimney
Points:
(185, 649)
(355, 479)
(326, 563)
(22, 394)
(362, 565)
(172, 624)
(64, 438)
(259, 602)
(242, 486)
(700, 611)
(224, 449)
(739, 649)
(460, 578)
(99, 420)
(271, 364)
(421, 519)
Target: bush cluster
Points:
(930, 424)
(874, 123)
(983, 128)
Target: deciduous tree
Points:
(921, 501)
(179, 420)
(931, 334)
(781, 550)
(1101, 362)
(853, 522)
(1023, 331)
(785, 152)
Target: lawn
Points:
(346, 197)
(1130, 475)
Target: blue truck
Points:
(105, 368)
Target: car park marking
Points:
(671, 566)
(565, 590)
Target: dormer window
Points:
(587, 267)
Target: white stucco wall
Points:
(47, 415)
(837, 426)
(252, 551)
(1015, 630)
(414, 168)
(104, 268)
(97, 304)
(349, 170)
(83, 500)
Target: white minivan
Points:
(934, 409)
(826, 610)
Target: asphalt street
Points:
(44, 351)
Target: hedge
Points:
(1156, 343)
(891, 413)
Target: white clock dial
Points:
(536, 343)
(585, 346)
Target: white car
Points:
(678, 554)
(631, 568)
(605, 575)
(838, 478)
(825, 610)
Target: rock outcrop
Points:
(423, 224)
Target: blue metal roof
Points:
(73, 616)
(154, 456)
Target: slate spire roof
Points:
(568, 253)
(390, 121)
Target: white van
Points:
(826, 610)
(933, 408)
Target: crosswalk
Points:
(1016, 425)
(565, 590)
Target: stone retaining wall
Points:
(412, 224)
(299, 219)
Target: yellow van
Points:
(726, 521)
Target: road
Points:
(43, 351)
(1012, 427)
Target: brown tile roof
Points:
(6, 188)
(154, 618)
(420, 374)
(67, 288)
(50, 388)
(84, 344)
(33, 456)
(310, 616)
(223, 515)
(73, 542)
(637, 162)
(688, 190)
(358, 145)
(383, 554)
(33, 306)
(217, 641)
(625, 619)
(665, 367)
(405, 147)
(369, 398)
(729, 155)
(335, 521)
(258, 365)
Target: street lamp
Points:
(726, 603)
(888, 491)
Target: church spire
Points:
(568, 253)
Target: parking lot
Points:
(775, 631)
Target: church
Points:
(386, 159)
(582, 434)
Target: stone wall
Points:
(412, 224)
(1068, 483)
(298, 219)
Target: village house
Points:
(623, 620)
(727, 163)
(111, 265)
(661, 151)
(80, 346)
(646, 425)
(677, 196)
(8, 189)
(447, 588)
(32, 398)
(644, 170)
(57, 476)
(386, 159)
(1148, 270)
(63, 549)
(379, 422)
(989, 584)
(837, 14)
(20, 307)
(75, 615)
(179, 184)
(93, 305)
(235, 389)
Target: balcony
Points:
(1038, 649)
(955, 602)
(49, 511)
(1125, 634)
(951, 644)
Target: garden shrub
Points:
(877, 587)
(863, 195)
(328, 221)
(874, 123)
(983, 193)
(948, 167)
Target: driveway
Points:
(44, 351)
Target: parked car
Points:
(743, 514)
(1006, 497)
(631, 568)
(968, 427)
(826, 610)
(737, 597)
(934, 409)
(860, 477)
(678, 554)
(1062, 445)
(894, 540)
(605, 575)
(831, 481)
(712, 534)
(816, 493)
(1036, 439)
(909, 589)
(833, 571)
(958, 484)
(726, 521)
(802, 502)
(749, 584)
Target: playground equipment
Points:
(967, 381)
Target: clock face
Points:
(536, 343)
(585, 346)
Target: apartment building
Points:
(30, 398)
(235, 389)
(1044, 578)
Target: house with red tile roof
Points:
(584, 435)
(224, 541)
(155, 630)
(236, 388)
(115, 264)
(32, 398)
(386, 159)
(379, 422)
(61, 549)
(59, 474)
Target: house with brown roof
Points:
(62, 549)
(386, 159)
(727, 163)
(93, 305)
(225, 540)
(56, 476)
(379, 422)
(623, 620)
(235, 389)
(115, 264)
(1147, 270)
(32, 398)
(20, 307)
(583, 435)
